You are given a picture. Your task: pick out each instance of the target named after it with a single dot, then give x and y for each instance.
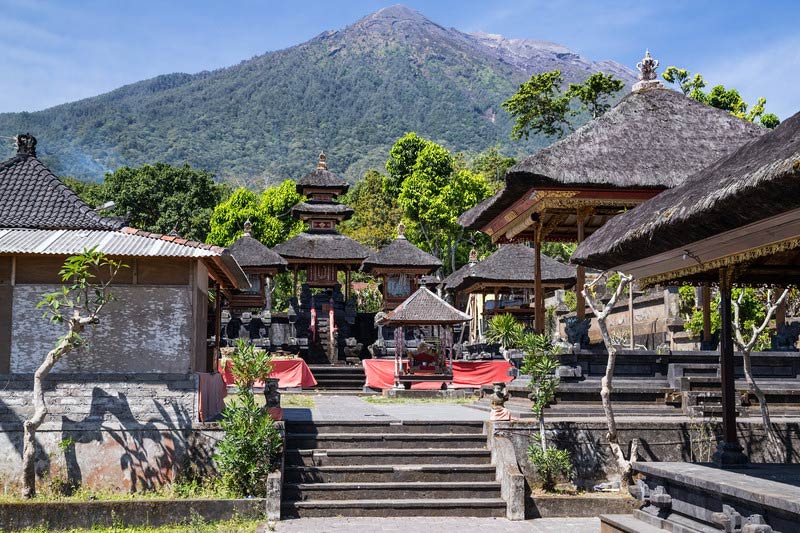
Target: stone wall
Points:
(130, 432)
(156, 321)
(668, 440)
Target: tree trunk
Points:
(607, 383)
(542, 435)
(763, 407)
(40, 408)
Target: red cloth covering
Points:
(290, 373)
(211, 392)
(466, 374)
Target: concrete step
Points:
(329, 441)
(389, 473)
(626, 523)
(388, 456)
(390, 490)
(467, 507)
(370, 427)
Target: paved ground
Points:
(329, 407)
(441, 525)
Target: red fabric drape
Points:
(466, 374)
(290, 373)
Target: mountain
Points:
(350, 92)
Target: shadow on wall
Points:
(11, 426)
(149, 455)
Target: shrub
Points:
(504, 330)
(252, 444)
(552, 465)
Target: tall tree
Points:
(162, 198)
(402, 158)
(377, 214)
(433, 197)
(269, 212)
(91, 192)
(727, 99)
(492, 165)
(540, 106)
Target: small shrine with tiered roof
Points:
(323, 314)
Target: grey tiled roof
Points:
(33, 197)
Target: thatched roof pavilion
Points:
(678, 234)
(424, 308)
(258, 262)
(399, 264)
(321, 250)
(650, 141)
(512, 265)
(735, 221)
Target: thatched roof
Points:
(456, 277)
(322, 208)
(760, 180)
(399, 254)
(424, 307)
(332, 245)
(33, 197)
(250, 252)
(322, 178)
(514, 263)
(653, 138)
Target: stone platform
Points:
(687, 497)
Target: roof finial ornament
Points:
(647, 73)
(322, 165)
(401, 231)
(25, 144)
(248, 228)
(473, 256)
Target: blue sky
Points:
(59, 51)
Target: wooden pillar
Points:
(632, 343)
(728, 453)
(705, 294)
(538, 296)
(580, 271)
(217, 326)
(347, 284)
(294, 282)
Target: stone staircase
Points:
(389, 469)
(339, 378)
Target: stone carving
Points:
(785, 340)
(647, 67)
(656, 501)
(25, 144)
(578, 331)
(733, 522)
(498, 400)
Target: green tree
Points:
(402, 158)
(162, 198)
(87, 278)
(492, 165)
(752, 310)
(91, 192)
(377, 214)
(727, 99)
(433, 197)
(269, 212)
(595, 92)
(539, 106)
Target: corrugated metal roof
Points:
(68, 242)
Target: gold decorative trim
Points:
(726, 261)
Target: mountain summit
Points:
(351, 92)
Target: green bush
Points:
(252, 444)
(552, 465)
(504, 330)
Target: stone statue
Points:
(25, 144)
(647, 73)
(498, 400)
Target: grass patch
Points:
(196, 525)
(381, 400)
(287, 400)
